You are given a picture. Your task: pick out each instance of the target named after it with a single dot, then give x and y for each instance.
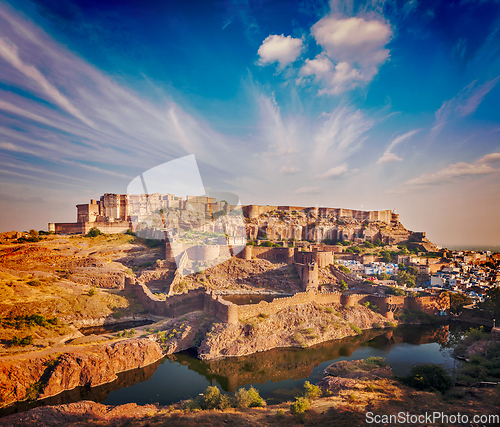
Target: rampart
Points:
(227, 312)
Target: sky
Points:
(364, 105)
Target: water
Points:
(278, 374)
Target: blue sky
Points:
(363, 105)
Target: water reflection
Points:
(278, 374)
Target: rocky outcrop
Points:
(85, 411)
(302, 325)
(38, 378)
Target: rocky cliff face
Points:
(308, 225)
(38, 378)
(299, 326)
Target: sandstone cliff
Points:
(38, 378)
(299, 326)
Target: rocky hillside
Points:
(299, 326)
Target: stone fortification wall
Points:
(66, 227)
(225, 311)
(271, 254)
(85, 227)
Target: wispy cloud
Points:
(289, 170)
(465, 103)
(487, 164)
(86, 120)
(9, 53)
(388, 155)
(308, 190)
(335, 172)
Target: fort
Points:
(296, 235)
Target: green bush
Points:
(93, 232)
(300, 405)
(344, 269)
(355, 328)
(255, 399)
(213, 399)
(35, 282)
(390, 290)
(429, 377)
(378, 361)
(21, 342)
(311, 391)
(242, 398)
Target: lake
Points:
(278, 374)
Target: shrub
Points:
(311, 391)
(355, 328)
(16, 341)
(280, 413)
(211, 397)
(242, 398)
(343, 285)
(93, 232)
(255, 399)
(344, 269)
(379, 361)
(91, 292)
(390, 290)
(429, 377)
(300, 405)
(180, 287)
(35, 282)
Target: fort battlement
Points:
(227, 312)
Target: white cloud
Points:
(335, 172)
(281, 49)
(456, 171)
(353, 39)
(308, 190)
(354, 50)
(388, 155)
(289, 170)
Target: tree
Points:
(412, 270)
(390, 290)
(405, 278)
(429, 377)
(386, 256)
(458, 301)
(491, 304)
(343, 285)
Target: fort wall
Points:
(227, 312)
